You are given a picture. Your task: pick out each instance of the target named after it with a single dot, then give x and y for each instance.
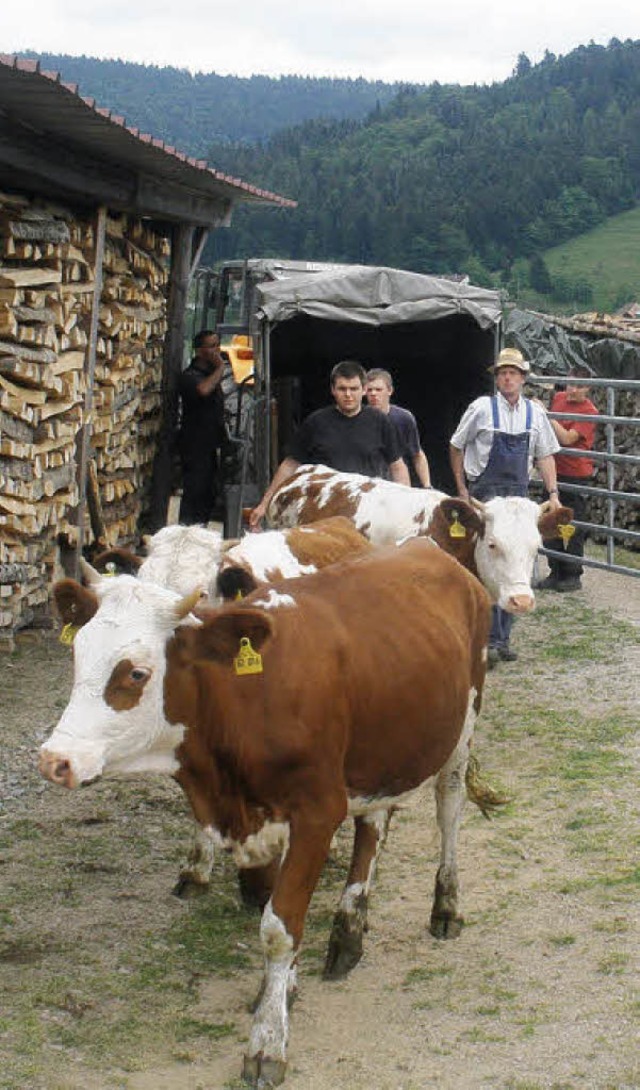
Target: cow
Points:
(335, 694)
(498, 540)
(179, 557)
(284, 554)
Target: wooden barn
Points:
(101, 228)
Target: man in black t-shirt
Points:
(347, 436)
(202, 429)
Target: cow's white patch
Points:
(265, 553)
(359, 806)
(351, 895)
(201, 856)
(160, 758)
(271, 1023)
(182, 558)
(506, 552)
(133, 623)
(270, 842)
(275, 600)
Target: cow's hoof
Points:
(446, 927)
(344, 952)
(262, 1073)
(187, 890)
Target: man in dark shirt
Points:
(202, 428)
(379, 389)
(348, 436)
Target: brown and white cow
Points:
(368, 685)
(286, 554)
(181, 557)
(498, 540)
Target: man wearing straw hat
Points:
(492, 452)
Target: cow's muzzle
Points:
(520, 603)
(57, 769)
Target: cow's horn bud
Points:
(89, 573)
(186, 604)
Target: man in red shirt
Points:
(579, 434)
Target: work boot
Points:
(507, 655)
(550, 583)
(493, 658)
(564, 585)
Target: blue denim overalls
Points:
(505, 474)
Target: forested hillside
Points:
(194, 111)
(450, 178)
(438, 178)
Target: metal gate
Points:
(611, 458)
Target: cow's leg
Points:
(350, 921)
(256, 884)
(193, 879)
(281, 930)
(446, 922)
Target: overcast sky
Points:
(464, 41)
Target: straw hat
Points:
(511, 357)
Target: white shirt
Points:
(474, 434)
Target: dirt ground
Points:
(540, 992)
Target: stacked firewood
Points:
(47, 288)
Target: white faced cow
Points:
(497, 540)
(337, 693)
(181, 557)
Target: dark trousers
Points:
(569, 569)
(199, 487)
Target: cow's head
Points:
(506, 546)
(115, 720)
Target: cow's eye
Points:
(138, 674)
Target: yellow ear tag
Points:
(247, 661)
(110, 568)
(68, 634)
(239, 594)
(566, 531)
(456, 529)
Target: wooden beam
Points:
(199, 243)
(83, 442)
(44, 163)
(179, 278)
(48, 163)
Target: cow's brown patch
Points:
(341, 501)
(305, 500)
(124, 688)
(284, 500)
(326, 542)
(447, 513)
(549, 522)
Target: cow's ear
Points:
(458, 513)
(219, 639)
(550, 520)
(235, 582)
(120, 561)
(75, 604)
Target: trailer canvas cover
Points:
(377, 297)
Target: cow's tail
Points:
(485, 797)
